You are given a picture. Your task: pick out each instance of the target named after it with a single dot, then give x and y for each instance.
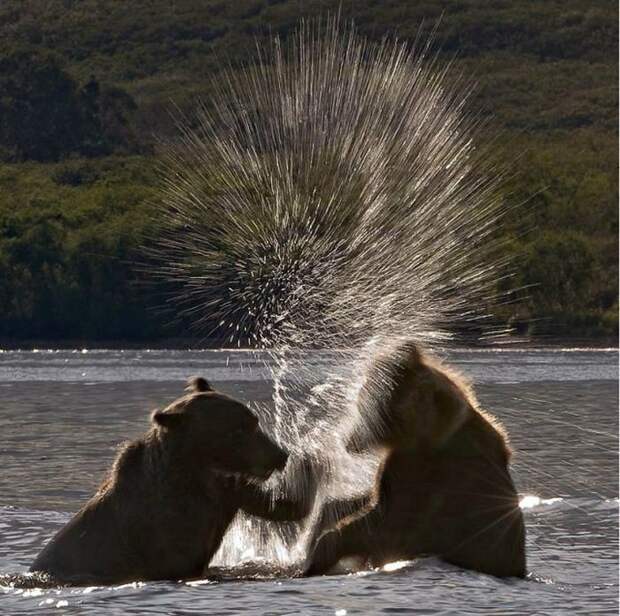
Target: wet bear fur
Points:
(444, 486)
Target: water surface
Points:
(63, 413)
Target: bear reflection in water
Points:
(443, 488)
(171, 495)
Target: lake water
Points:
(62, 414)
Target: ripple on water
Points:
(59, 438)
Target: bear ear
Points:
(196, 384)
(167, 418)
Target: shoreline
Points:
(192, 344)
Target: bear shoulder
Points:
(127, 463)
(486, 424)
(495, 428)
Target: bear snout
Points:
(276, 457)
(281, 459)
(270, 457)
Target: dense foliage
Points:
(47, 116)
(86, 85)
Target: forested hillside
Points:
(86, 89)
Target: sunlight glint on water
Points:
(60, 430)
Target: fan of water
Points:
(325, 203)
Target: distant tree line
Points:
(86, 87)
(45, 115)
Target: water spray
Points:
(324, 204)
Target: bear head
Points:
(219, 433)
(409, 402)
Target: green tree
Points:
(45, 115)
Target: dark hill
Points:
(86, 84)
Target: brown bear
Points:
(171, 494)
(443, 488)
